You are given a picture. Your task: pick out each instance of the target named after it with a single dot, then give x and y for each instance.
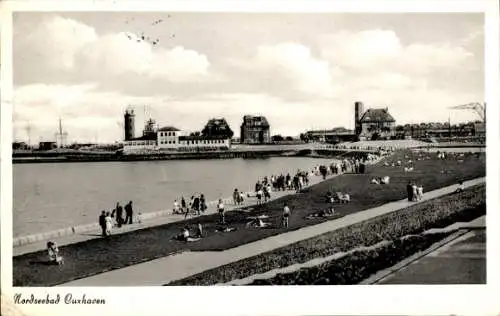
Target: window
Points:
(173, 142)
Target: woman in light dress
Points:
(109, 223)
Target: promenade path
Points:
(149, 220)
(459, 261)
(175, 267)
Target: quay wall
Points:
(24, 240)
(237, 152)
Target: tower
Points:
(358, 113)
(129, 124)
(61, 136)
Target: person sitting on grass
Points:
(344, 197)
(385, 180)
(258, 222)
(461, 187)
(54, 257)
(184, 234)
(222, 228)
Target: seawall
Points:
(245, 153)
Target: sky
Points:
(301, 71)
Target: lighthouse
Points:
(129, 125)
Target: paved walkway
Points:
(175, 267)
(460, 261)
(163, 217)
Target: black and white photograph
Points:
(174, 148)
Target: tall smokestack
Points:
(129, 125)
(358, 113)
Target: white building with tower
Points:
(168, 139)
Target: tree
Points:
(277, 138)
(289, 138)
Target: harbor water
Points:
(50, 196)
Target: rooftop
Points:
(377, 115)
(250, 120)
(200, 137)
(148, 136)
(168, 129)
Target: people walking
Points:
(119, 214)
(196, 206)
(191, 207)
(108, 223)
(183, 204)
(176, 210)
(220, 210)
(286, 215)
(128, 213)
(236, 197)
(102, 222)
(203, 203)
(409, 191)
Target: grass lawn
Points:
(100, 255)
(415, 219)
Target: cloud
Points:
(375, 50)
(118, 54)
(64, 44)
(288, 69)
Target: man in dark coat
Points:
(196, 205)
(102, 222)
(128, 213)
(409, 191)
(119, 214)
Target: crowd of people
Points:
(106, 218)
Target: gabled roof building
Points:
(374, 123)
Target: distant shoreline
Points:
(74, 157)
(254, 153)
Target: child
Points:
(286, 215)
(53, 251)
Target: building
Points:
(217, 127)
(333, 136)
(47, 145)
(20, 146)
(255, 130)
(374, 123)
(172, 139)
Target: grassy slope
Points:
(436, 213)
(99, 255)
